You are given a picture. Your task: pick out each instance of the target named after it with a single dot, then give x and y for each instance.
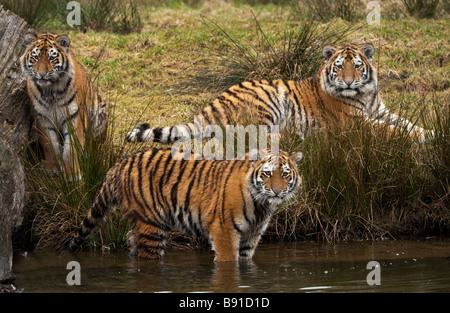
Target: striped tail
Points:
(103, 205)
(169, 134)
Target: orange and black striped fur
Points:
(346, 85)
(228, 202)
(63, 96)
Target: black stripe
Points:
(150, 158)
(169, 173)
(244, 209)
(153, 237)
(231, 168)
(174, 191)
(69, 81)
(189, 190)
(156, 198)
(128, 188)
(69, 101)
(87, 223)
(235, 226)
(187, 200)
(142, 128)
(206, 176)
(216, 112)
(162, 179)
(200, 172)
(157, 133)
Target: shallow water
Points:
(405, 266)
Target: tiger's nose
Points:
(42, 75)
(277, 191)
(348, 82)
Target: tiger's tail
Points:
(103, 205)
(210, 115)
(169, 134)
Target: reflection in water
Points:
(227, 276)
(406, 266)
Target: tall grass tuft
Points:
(365, 181)
(99, 15)
(117, 16)
(421, 8)
(290, 55)
(34, 12)
(326, 10)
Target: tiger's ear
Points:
(29, 38)
(368, 51)
(63, 41)
(328, 52)
(296, 157)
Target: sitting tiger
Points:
(345, 86)
(228, 202)
(63, 98)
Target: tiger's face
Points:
(275, 178)
(45, 59)
(348, 70)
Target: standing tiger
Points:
(346, 85)
(63, 98)
(228, 202)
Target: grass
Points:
(358, 184)
(100, 15)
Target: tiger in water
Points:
(345, 86)
(63, 98)
(229, 202)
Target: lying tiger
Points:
(345, 86)
(63, 98)
(228, 202)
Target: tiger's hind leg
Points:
(132, 243)
(225, 242)
(151, 241)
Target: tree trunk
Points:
(15, 131)
(15, 117)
